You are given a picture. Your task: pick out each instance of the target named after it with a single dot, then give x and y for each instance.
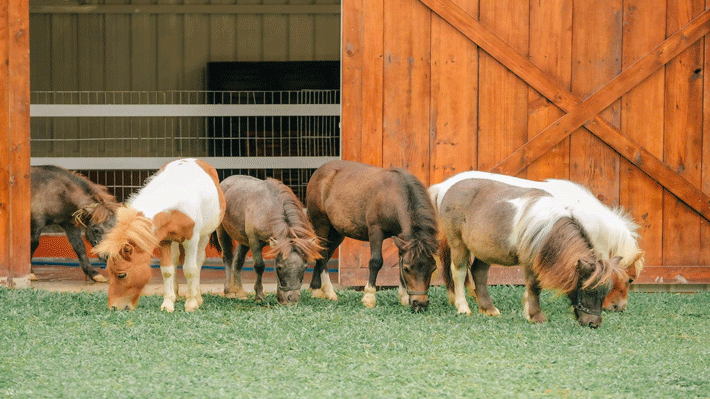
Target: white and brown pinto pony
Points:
(489, 222)
(180, 206)
(612, 231)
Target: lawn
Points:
(71, 345)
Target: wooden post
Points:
(14, 143)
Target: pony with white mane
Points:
(490, 222)
(176, 211)
(611, 231)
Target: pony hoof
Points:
(466, 311)
(99, 278)
(318, 293)
(331, 296)
(32, 277)
(369, 302)
(168, 307)
(191, 305)
(537, 319)
(490, 312)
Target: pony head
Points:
(416, 265)
(617, 298)
(128, 248)
(291, 257)
(595, 281)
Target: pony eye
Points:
(121, 275)
(631, 280)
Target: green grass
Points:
(71, 345)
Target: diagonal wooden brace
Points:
(585, 113)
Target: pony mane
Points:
(612, 231)
(557, 264)
(132, 228)
(104, 204)
(292, 230)
(424, 224)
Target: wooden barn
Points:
(612, 94)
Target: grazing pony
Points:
(261, 212)
(611, 231)
(181, 205)
(368, 203)
(496, 223)
(74, 203)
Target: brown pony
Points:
(495, 223)
(74, 203)
(261, 212)
(368, 203)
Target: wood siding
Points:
(14, 143)
(612, 94)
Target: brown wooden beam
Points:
(14, 143)
(567, 101)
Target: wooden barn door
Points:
(612, 94)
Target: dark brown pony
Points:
(261, 212)
(489, 222)
(74, 203)
(368, 203)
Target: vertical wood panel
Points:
(352, 67)
(704, 258)
(682, 143)
(641, 119)
(454, 99)
(503, 100)
(551, 51)
(14, 142)
(41, 78)
(301, 31)
(91, 77)
(373, 82)
(326, 39)
(64, 77)
(249, 38)
(596, 52)
(406, 87)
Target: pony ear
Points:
(126, 252)
(81, 217)
(272, 242)
(400, 243)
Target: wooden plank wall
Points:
(418, 94)
(14, 143)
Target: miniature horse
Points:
(495, 223)
(261, 212)
(368, 203)
(180, 206)
(611, 231)
(73, 202)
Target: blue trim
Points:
(102, 265)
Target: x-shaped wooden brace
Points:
(586, 112)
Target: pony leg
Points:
(376, 237)
(259, 267)
(235, 289)
(321, 287)
(531, 301)
(479, 273)
(194, 258)
(77, 243)
(167, 269)
(459, 270)
(34, 244)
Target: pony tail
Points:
(445, 256)
(214, 241)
